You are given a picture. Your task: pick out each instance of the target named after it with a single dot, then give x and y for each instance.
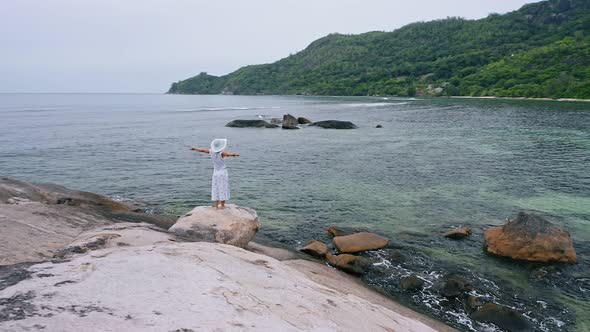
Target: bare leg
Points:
(216, 204)
(223, 204)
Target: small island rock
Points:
(458, 233)
(378, 126)
(290, 122)
(505, 318)
(349, 263)
(315, 248)
(531, 238)
(302, 120)
(233, 225)
(359, 242)
(250, 124)
(334, 124)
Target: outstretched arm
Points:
(230, 154)
(200, 150)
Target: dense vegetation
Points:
(540, 50)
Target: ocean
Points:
(436, 164)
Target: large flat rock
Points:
(233, 225)
(358, 242)
(182, 287)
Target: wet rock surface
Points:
(302, 120)
(454, 285)
(531, 238)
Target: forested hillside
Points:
(540, 50)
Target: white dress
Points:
(220, 180)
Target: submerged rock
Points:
(454, 286)
(349, 263)
(505, 318)
(334, 124)
(233, 225)
(334, 231)
(190, 287)
(315, 248)
(458, 233)
(250, 124)
(378, 126)
(531, 238)
(290, 122)
(411, 283)
(359, 242)
(302, 120)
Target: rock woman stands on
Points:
(220, 180)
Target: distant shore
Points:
(521, 98)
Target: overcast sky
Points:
(144, 45)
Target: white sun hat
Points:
(218, 144)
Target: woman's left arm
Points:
(200, 150)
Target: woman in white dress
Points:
(220, 180)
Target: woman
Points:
(220, 180)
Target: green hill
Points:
(540, 50)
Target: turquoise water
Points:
(435, 164)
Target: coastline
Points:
(21, 202)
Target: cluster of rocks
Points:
(345, 245)
(290, 122)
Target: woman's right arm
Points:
(200, 150)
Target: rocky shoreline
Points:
(63, 250)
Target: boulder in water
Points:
(334, 124)
(233, 225)
(349, 263)
(531, 238)
(290, 122)
(458, 233)
(455, 285)
(378, 126)
(505, 318)
(315, 248)
(411, 283)
(250, 124)
(359, 242)
(302, 120)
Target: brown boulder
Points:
(359, 242)
(349, 263)
(315, 248)
(458, 233)
(411, 283)
(531, 238)
(290, 122)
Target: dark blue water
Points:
(435, 164)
